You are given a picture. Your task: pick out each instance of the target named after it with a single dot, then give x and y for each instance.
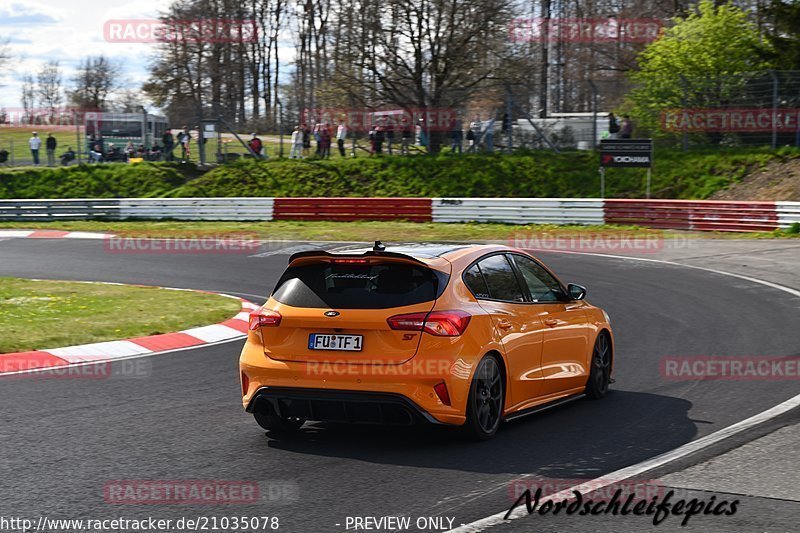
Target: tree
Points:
(784, 38)
(95, 81)
(702, 61)
(28, 97)
(49, 88)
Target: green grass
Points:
(692, 175)
(15, 140)
(51, 314)
(362, 231)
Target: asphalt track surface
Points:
(64, 439)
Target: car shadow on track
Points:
(582, 439)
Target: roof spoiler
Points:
(369, 253)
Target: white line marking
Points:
(213, 333)
(664, 458)
(97, 350)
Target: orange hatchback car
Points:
(467, 335)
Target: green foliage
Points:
(676, 174)
(92, 181)
(784, 15)
(699, 62)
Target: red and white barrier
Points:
(698, 215)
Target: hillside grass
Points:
(676, 174)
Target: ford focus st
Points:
(461, 335)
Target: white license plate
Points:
(324, 341)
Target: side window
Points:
(500, 279)
(474, 280)
(541, 285)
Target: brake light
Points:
(439, 323)
(441, 392)
(350, 261)
(264, 318)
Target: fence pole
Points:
(594, 114)
(509, 139)
(774, 108)
(685, 87)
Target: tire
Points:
(278, 424)
(486, 400)
(600, 373)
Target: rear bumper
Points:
(410, 384)
(352, 407)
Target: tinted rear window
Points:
(355, 286)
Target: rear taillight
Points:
(264, 318)
(439, 323)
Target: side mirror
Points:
(576, 292)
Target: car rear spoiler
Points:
(368, 253)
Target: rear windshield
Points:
(358, 286)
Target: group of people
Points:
(323, 135)
(617, 130)
(50, 144)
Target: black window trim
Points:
(518, 275)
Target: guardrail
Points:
(693, 215)
(234, 208)
(665, 214)
(519, 210)
(349, 209)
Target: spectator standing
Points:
(297, 144)
(488, 136)
(318, 138)
(256, 145)
(371, 136)
(380, 137)
(406, 139)
(169, 144)
(471, 141)
(626, 130)
(389, 137)
(456, 137)
(184, 138)
(325, 142)
(306, 140)
(613, 126)
(341, 136)
(130, 150)
(50, 145)
(35, 143)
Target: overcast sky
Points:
(67, 31)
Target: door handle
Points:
(504, 324)
(551, 322)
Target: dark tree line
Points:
(310, 54)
